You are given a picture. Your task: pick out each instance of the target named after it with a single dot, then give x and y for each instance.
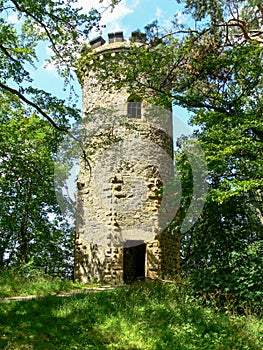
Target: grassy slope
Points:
(143, 316)
(14, 283)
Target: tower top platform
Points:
(116, 41)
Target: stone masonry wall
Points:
(119, 199)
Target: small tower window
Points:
(134, 108)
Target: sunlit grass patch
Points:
(142, 316)
(15, 282)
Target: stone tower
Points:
(123, 206)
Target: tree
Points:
(31, 225)
(61, 26)
(32, 121)
(235, 20)
(223, 252)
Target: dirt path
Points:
(64, 294)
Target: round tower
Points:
(124, 200)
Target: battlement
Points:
(118, 37)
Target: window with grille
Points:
(134, 109)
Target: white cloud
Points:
(49, 51)
(135, 3)
(50, 67)
(118, 13)
(114, 27)
(110, 17)
(180, 17)
(108, 14)
(13, 19)
(159, 12)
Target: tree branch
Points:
(42, 24)
(234, 22)
(4, 49)
(46, 116)
(32, 104)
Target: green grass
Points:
(15, 282)
(146, 315)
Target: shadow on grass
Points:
(143, 316)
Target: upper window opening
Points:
(134, 109)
